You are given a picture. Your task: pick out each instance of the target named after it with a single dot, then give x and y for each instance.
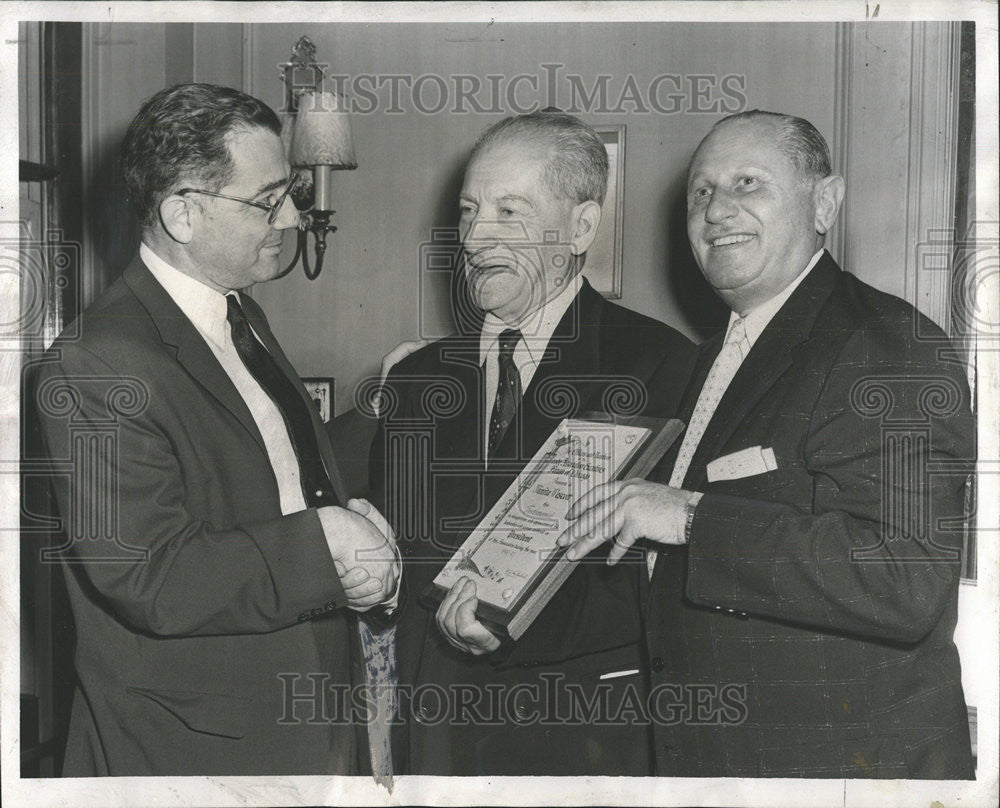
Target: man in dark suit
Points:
(477, 408)
(800, 612)
(212, 553)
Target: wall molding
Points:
(931, 182)
(90, 130)
(248, 51)
(896, 144)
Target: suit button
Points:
(657, 664)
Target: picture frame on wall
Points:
(604, 258)
(321, 390)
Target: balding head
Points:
(760, 201)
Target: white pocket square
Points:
(744, 463)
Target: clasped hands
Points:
(624, 511)
(364, 553)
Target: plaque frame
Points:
(510, 622)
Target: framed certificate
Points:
(512, 554)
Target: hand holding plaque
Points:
(456, 620)
(626, 511)
(512, 555)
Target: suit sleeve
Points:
(377, 470)
(887, 450)
(159, 568)
(394, 403)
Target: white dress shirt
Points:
(536, 331)
(206, 309)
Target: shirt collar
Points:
(756, 321)
(202, 305)
(536, 328)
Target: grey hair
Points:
(577, 165)
(797, 138)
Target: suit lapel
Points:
(458, 437)
(767, 361)
(263, 330)
(192, 350)
(570, 359)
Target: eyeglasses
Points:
(272, 208)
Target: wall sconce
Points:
(317, 136)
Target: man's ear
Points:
(176, 215)
(586, 218)
(828, 193)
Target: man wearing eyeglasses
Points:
(214, 563)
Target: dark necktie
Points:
(508, 389)
(316, 487)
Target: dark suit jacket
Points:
(601, 356)
(200, 610)
(811, 614)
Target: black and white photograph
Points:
(500, 403)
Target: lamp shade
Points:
(322, 133)
(287, 130)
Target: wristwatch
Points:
(689, 509)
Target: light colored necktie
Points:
(723, 369)
(380, 675)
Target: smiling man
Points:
(804, 574)
(561, 700)
(215, 564)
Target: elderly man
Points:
(212, 600)
(561, 699)
(804, 576)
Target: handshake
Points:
(364, 553)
